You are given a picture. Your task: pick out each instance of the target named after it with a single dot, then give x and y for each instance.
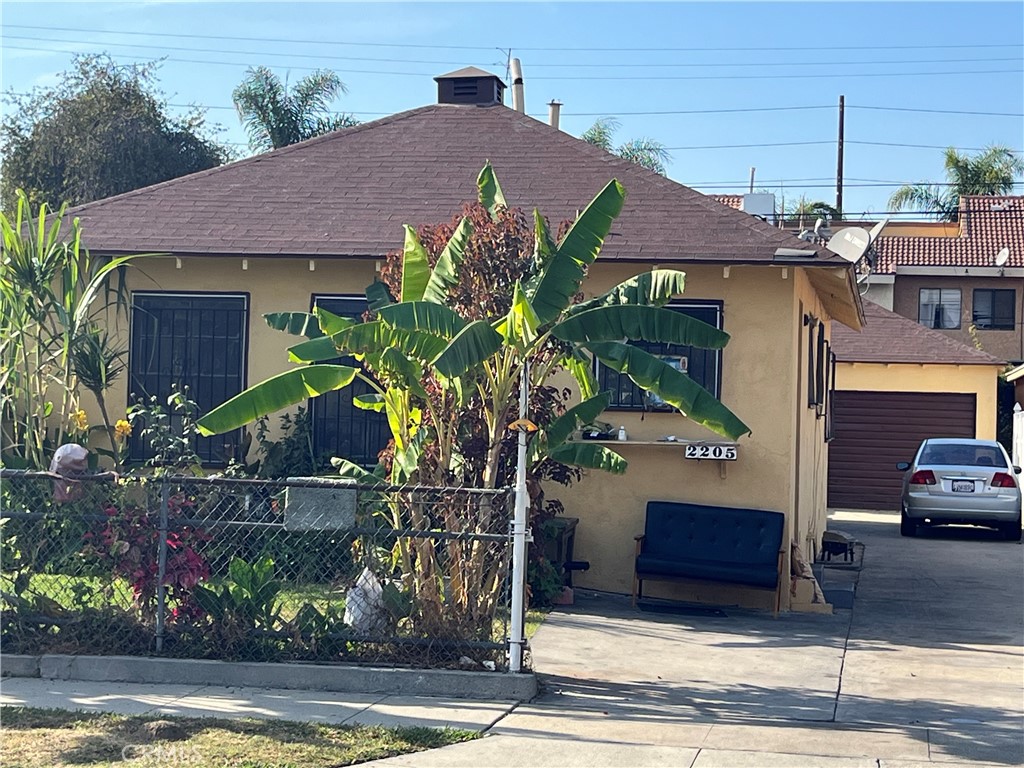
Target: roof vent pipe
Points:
(516, 70)
(554, 113)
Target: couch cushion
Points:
(743, 537)
(754, 574)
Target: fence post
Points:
(517, 640)
(161, 590)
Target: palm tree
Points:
(992, 172)
(649, 153)
(275, 116)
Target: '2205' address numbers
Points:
(720, 452)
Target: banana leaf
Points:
(423, 316)
(372, 338)
(671, 385)
(446, 272)
(647, 323)
(377, 295)
(415, 267)
(582, 413)
(278, 392)
(590, 456)
(295, 323)
(656, 287)
(331, 323)
(489, 191)
(316, 350)
(579, 364)
(474, 344)
(519, 327)
(369, 402)
(563, 274)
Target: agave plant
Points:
(430, 365)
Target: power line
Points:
(589, 49)
(577, 78)
(746, 146)
(562, 65)
(802, 76)
(936, 111)
(920, 146)
(270, 53)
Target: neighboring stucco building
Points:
(896, 383)
(950, 276)
(311, 223)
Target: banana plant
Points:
(430, 364)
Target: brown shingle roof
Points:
(347, 194)
(891, 338)
(987, 224)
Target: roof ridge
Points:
(874, 311)
(245, 161)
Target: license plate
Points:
(963, 486)
(720, 452)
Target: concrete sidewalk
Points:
(215, 701)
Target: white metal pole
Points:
(517, 640)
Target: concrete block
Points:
(310, 677)
(19, 665)
(319, 508)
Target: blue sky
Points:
(699, 57)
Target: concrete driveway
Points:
(927, 668)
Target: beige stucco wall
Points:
(273, 285)
(980, 380)
(1006, 345)
(762, 382)
(762, 311)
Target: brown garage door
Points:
(875, 430)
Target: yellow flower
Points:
(123, 429)
(80, 420)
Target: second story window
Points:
(939, 308)
(994, 309)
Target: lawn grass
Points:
(31, 738)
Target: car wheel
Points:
(908, 527)
(1011, 531)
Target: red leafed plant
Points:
(129, 544)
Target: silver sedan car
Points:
(956, 480)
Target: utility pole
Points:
(839, 161)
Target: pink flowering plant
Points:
(129, 545)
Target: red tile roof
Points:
(987, 224)
(732, 201)
(346, 194)
(891, 338)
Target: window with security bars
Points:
(994, 309)
(192, 340)
(939, 308)
(704, 366)
(339, 427)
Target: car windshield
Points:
(962, 455)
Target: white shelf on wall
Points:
(722, 463)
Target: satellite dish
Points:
(877, 230)
(851, 243)
(1002, 257)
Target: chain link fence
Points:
(259, 570)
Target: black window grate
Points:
(197, 341)
(340, 429)
(702, 365)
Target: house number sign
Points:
(720, 452)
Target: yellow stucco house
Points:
(311, 223)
